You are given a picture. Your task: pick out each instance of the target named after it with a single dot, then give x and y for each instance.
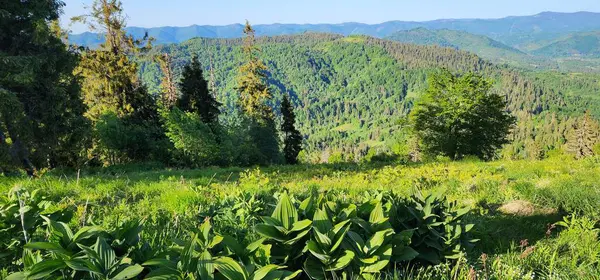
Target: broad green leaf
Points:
(301, 225)
(307, 206)
(322, 239)
(282, 275)
(45, 268)
(129, 272)
(384, 255)
(81, 265)
(160, 263)
(342, 261)
(234, 246)
(215, 241)
(163, 274)
(205, 229)
(314, 249)
(376, 241)
(321, 221)
(269, 232)
(105, 253)
(253, 246)
(271, 221)
(404, 253)
(206, 269)
(285, 212)
(230, 269)
(297, 238)
(47, 246)
(86, 232)
(17, 276)
(377, 214)
(260, 273)
(339, 238)
(356, 241)
(314, 268)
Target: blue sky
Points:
(153, 13)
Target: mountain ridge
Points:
(508, 30)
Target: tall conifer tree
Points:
(125, 115)
(111, 83)
(292, 137)
(583, 137)
(41, 113)
(254, 97)
(195, 94)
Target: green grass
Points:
(555, 188)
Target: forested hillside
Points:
(585, 45)
(353, 93)
(480, 45)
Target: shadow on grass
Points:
(498, 232)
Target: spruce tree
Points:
(41, 113)
(254, 97)
(195, 94)
(292, 137)
(124, 114)
(110, 78)
(583, 137)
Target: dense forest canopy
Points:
(352, 93)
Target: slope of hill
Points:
(522, 32)
(478, 44)
(351, 92)
(585, 45)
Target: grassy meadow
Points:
(515, 206)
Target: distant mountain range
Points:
(520, 32)
(582, 44)
(564, 41)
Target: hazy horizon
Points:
(182, 13)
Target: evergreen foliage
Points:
(41, 121)
(195, 94)
(292, 139)
(254, 97)
(583, 137)
(111, 88)
(458, 117)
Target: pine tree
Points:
(124, 114)
(41, 113)
(583, 137)
(195, 95)
(292, 137)
(252, 85)
(254, 97)
(110, 78)
(169, 94)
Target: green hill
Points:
(481, 45)
(584, 45)
(352, 92)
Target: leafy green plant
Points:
(327, 255)
(439, 232)
(21, 217)
(86, 252)
(284, 231)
